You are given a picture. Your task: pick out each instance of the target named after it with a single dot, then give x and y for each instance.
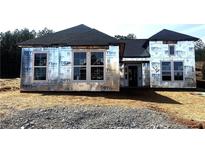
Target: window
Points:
(171, 49)
(170, 73)
(79, 66)
(40, 66)
(79, 73)
(166, 71)
(97, 66)
(178, 70)
(94, 67)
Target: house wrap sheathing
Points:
(60, 70)
(184, 52)
(84, 59)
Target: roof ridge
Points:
(50, 35)
(77, 35)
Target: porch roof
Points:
(135, 48)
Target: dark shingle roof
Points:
(168, 35)
(134, 48)
(78, 35)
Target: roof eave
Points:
(193, 39)
(136, 56)
(65, 44)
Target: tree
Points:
(10, 53)
(44, 32)
(129, 36)
(199, 44)
(200, 51)
(200, 55)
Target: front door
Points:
(133, 76)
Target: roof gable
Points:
(78, 35)
(168, 35)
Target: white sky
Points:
(143, 18)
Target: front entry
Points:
(133, 78)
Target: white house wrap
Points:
(85, 59)
(60, 70)
(184, 52)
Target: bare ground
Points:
(186, 107)
(89, 117)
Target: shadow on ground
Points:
(146, 95)
(200, 83)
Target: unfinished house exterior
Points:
(75, 59)
(165, 60)
(135, 71)
(172, 65)
(85, 59)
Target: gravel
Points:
(88, 117)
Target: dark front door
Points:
(132, 76)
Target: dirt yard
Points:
(187, 107)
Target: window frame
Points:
(166, 71)
(33, 63)
(86, 66)
(178, 71)
(103, 66)
(172, 70)
(171, 45)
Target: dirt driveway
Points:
(184, 106)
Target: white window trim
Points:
(178, 71)
(172, 70)
(104, 68)
(174, 49)
(88, 66)
(73, 66)
(165, 71)
(33, 66)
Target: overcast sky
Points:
(143, 18)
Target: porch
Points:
(135, 74)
